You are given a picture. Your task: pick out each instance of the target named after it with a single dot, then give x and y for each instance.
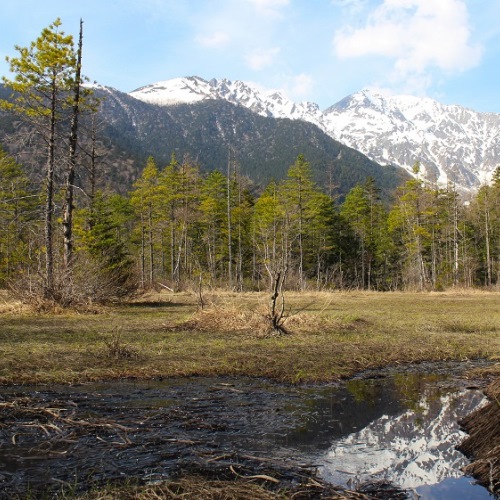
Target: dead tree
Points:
(277, 311)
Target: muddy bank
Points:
(483, 443)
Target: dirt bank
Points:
(483, 443)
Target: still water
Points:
(401, 427)
(410, 438)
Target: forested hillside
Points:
(128, 131)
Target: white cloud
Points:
(269, 8)
(262, 59)
(419, 35)
(353, 6)
(217, 39)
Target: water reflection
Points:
(402, 429)
(329, 413)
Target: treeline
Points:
(185, 227)
(178, 228)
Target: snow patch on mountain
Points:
(453, 145)
(413, 449)
(175, 91)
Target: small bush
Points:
(115, 347)
(86, 284)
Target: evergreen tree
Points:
(101, 237)
(365, 214)
(485, 215)
(268, 229)
(242, 224)
(44, 73)
(179, 199)
(18, 229)
(307, 214)
(146, 201)
(214, 225)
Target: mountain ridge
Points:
(453, 144)
(207, 132)
(265, 147)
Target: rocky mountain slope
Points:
(452, 144)
(209, 131)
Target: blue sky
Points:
(314, 50)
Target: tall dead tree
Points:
(73, 140)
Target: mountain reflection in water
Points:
(397, 426)
(412, 448)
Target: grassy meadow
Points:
(332, 335)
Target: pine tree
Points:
(188, 215)
(268, 229)
(146, 201)
(485, 215)
(295, 191)
(44, 73)
(179, 186)
(101, 237)
(412, 223)
(305, 208)
(364, 213)
(213, 208)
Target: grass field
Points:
(332, 335)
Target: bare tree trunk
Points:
(487, 243)
(151, 246)
(173, 267)
(229, 232)
(301, 248)
(49, 202)
(456, 246)
(93, 155)
(143, 253)
(68, 210)
(278, 316)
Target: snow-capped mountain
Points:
(268, 103)
(413, 449)
(452, 144)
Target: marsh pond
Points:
(399, 426)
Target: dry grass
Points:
(195, 488)
(333, 335)
(483, 443)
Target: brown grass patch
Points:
(228, 318)
(242, 488)
(257, 321)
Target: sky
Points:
(312, 50)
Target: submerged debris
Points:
(205, 437)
